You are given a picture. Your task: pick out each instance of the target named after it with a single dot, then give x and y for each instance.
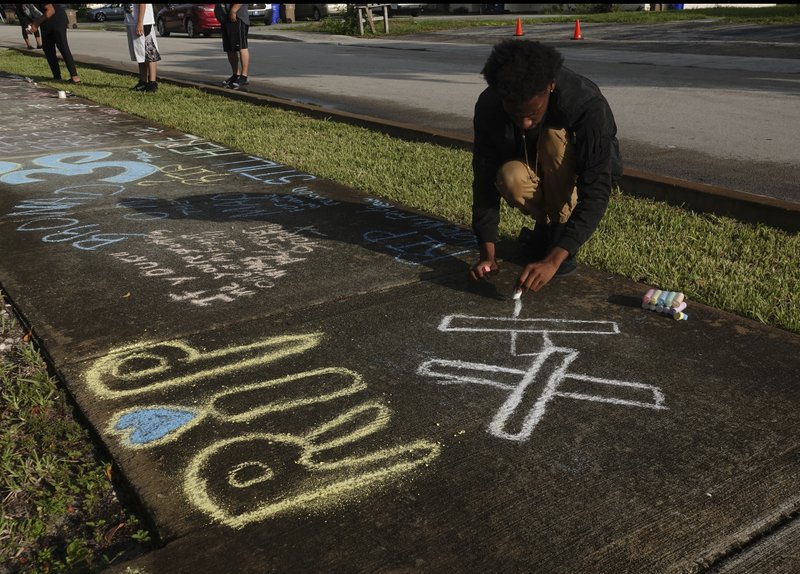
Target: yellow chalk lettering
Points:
(265, 473)
(350, 382)
(117, 366)
(318, 485)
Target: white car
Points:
(258, 10)
(318, 11)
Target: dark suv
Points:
(193, 19)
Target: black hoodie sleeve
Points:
(487, 156)
(596, 157)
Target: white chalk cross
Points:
(530, 391)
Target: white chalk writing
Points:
(239, 267)
(529, 391)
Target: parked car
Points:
(193, 19)
(412, 9)
(318, 11)
(107, 12)
(257, 11)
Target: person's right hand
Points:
(483, 269)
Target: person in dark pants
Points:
(235, 21)
(53, 23)
(25, 18)
(546, 143)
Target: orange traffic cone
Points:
(577, 34)
(519, 31)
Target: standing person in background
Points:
(235, 22)
(142, 44)
(25, 18)
(53, 23)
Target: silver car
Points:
(107, 12)
(258, 10)
(318, 11)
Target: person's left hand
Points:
(140, 29)
(232, 16)
(536, 275)
(33, 28)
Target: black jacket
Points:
(577, 105)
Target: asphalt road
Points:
(695, 100)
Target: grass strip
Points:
(59, 511)
(751, 270)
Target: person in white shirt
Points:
(139, 20)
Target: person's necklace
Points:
(525, 148)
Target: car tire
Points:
(191, 29)
(100, 17)
(162, 28)
(206, 33)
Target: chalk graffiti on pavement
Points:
(244, 477)
(528, 392)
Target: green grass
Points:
(60, 512)
(784, 14)
(753, 271)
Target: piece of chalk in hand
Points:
(486, 269)
(517, 294)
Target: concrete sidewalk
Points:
(297, 377)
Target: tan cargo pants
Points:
(550, 195)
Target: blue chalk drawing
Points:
(150, 425)
(83, 163)
(6, 166)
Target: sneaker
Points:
(238, 82)
(227, 83)
(151, 87)
(139, 87)
(567, 267)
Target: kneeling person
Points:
(545, 142)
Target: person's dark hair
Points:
(518, 70)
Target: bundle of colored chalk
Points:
(670, 303)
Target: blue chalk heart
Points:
(153, 424)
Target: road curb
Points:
(698, 197)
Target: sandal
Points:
(74, 81)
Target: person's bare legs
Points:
(152, 69)
(233, 60)
(245, 60)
